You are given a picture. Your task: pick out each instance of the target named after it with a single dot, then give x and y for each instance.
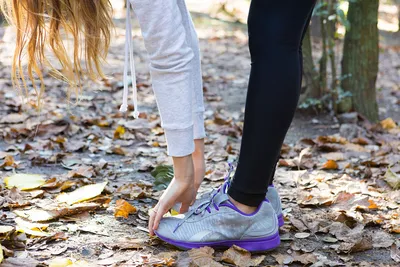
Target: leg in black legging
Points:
(275, 33)
(271, 179)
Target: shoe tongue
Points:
(220, 197)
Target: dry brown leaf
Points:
(392, 179)
(388, 124)
(66, 185)
(395, 253)
(123, 208)
(305, 153)
(283, 259)
(203, 257)
(298, 224)
(330, 165)
(336, 156)
(241, 257)
(126, 243)
(331, 139)
(13, 118)
(360, 141)
(132, 191)
(306, 258)
(364, 244)
(82, 172)
(8, 162)
(40, 215)
(118, 151)
(381, 239)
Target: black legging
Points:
(276, 29)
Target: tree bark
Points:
(331, 28)
(310, 73)
(360, 57)
(323, 61)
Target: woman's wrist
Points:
(183, 169)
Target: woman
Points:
(239, 212)
(172, 44)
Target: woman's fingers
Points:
(153, 213)
(158, 216)
(184, 207)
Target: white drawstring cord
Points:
(129, 61)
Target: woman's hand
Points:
(181, 189)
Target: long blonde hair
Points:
(39, 25)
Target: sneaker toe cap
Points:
(167, 226)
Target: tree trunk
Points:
(310, 73)
(360, 57)
(331, 28)
(323, 61)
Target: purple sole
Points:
(281, 221)
(253, 245)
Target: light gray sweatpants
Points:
(171, 41)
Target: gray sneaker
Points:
(218, 223)
(272, 195)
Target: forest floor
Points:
(340, 205)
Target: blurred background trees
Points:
(343, 78)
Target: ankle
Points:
(242, 207)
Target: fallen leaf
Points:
(82, 171)
(306, 258)
(119, 132)
(126, 243)
(34, 229)
(123, 208)
(283, 259)
(20, 262)
(306, 152)
(364, 244)
(336, 156)
(13, 118)
(241, 257)
(388, 124)
(298, 224)
(203, 257)
(60, 262)
(302, 235)
(40, 215)
(329, 239)
(24, 181)
(395, 253)
(331, 139)
(118, 150)
(373, 205)
(163, 175)
(8, 162)
(381, 239)
(132, 191)
(5, 229)
(392, 179)
(330, 165)
(81, 194)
